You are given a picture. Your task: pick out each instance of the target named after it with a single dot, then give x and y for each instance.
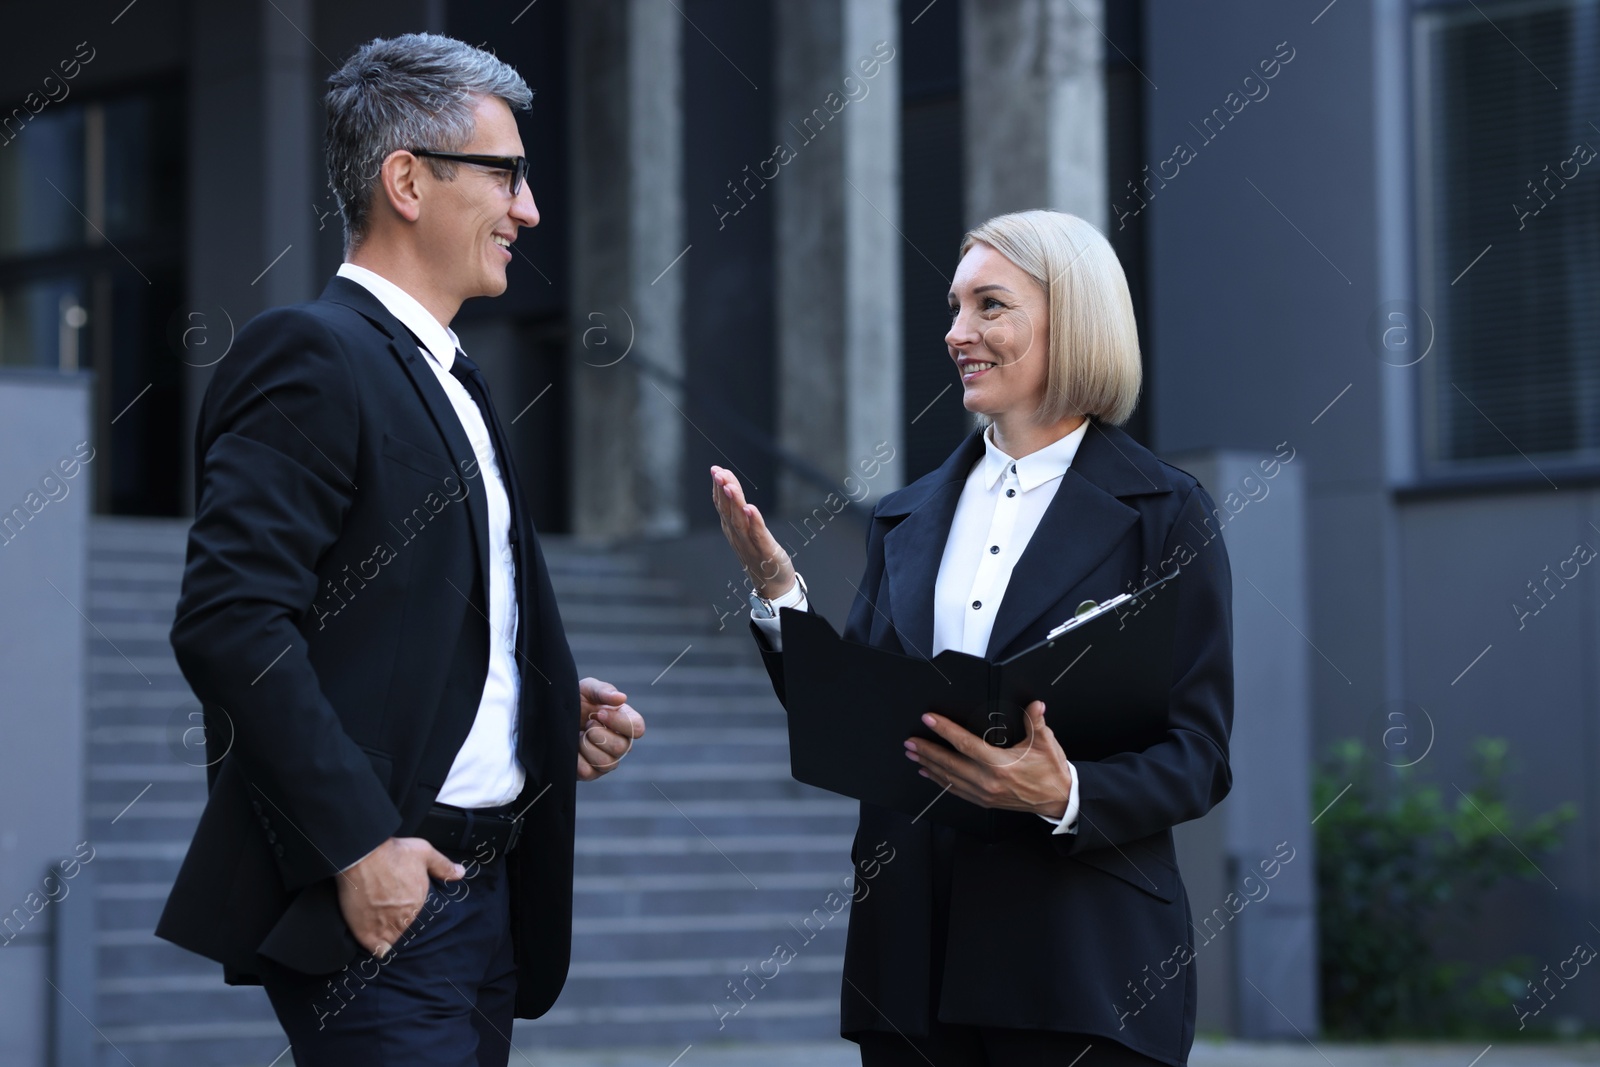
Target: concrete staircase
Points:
(695, 859)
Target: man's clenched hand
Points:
(607, 727)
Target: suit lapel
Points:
(403, 346)
(912, 553)
(914, 549)
(538, 625)
(1082, 526)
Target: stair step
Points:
(131, 920)
(210, 980)
(102, 599)
(785, 845)
(644, 618)
(126, 736)
(615, 587)
(160, 574)
(677, 1025)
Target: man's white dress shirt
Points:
(486, 771)
(998, 511)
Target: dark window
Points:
(520, 338)
(729, 317)
(91, 209)
(1509, 233)
(931, 219)
(1125, 159)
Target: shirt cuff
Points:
(771, 627)
(1068, 823)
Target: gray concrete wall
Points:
(1488, 654)
(1257, 957)
(1263, 272)
(44, 515)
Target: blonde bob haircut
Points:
(1094, 345)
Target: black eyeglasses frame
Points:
(517, 165)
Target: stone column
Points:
(1034, 102)
(835, 166)
(627, 249)
(254, 175)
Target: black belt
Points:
(484, 833)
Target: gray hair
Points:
(418, 90)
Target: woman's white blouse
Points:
(1000, 508)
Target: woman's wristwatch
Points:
(763, 608)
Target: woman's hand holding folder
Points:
(1031, 776)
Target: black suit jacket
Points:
(1048, 931)
(333, 624)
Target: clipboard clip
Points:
(1089, 609)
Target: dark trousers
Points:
(949, 1045)
(443, 997)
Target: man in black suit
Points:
(395, 721)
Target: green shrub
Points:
(1397, 860)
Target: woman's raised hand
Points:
(763, 559)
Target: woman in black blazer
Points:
(1065, 932)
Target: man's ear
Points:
(399, 177)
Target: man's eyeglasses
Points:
(517, 165)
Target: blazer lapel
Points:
(914, 549)
(403, 345)
(1082, 526)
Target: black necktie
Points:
(467, 373)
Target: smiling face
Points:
(467, 227)
(999, 334)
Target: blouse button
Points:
(1011, 492)
(994, 550)
(976, 604)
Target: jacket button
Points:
(256, 805)
(265, 822)
(272, 838)
(277, 850)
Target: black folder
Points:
(1105, 677)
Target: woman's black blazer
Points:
(1075, 932)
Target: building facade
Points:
(1362, 238)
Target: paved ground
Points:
(1397, 1054)
(1206, 1054)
